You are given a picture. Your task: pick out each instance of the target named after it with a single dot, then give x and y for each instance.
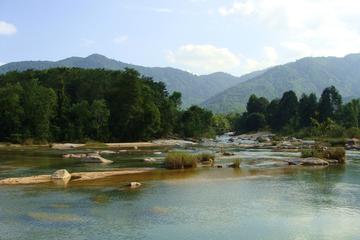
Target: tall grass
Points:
(179, 160)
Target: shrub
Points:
(337, 153)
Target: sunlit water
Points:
(259, 201)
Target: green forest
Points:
(79, 105)
(73, 104)
(327, 116)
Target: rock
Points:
(134, 184)
(70, 155)
(149, 160)
(107, 152)
(308, 162)
(61, 176)
(135, 147)
(95, 158)
(157, 153)
(218, 166)
(228, 154)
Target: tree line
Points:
(73, 104)
(326, 116)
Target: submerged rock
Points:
(71, 155)
(150, 160)
(134, 184)
(308, 162)
(95, 158)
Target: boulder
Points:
(134, 184)
(61, 174)
(95, 158)
(71, 155)
(107, 152)
(311, 161)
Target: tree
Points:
(349, 114)
(196, 122)
(39, 109)
(288, 109)
(257, 105)
(220, 124)
(11, 111)
(272, 113)
(255, 122)
(307, 109)
(329, 103)
(100, 115)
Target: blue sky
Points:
(201, 36)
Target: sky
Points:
(200, 36)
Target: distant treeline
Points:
(65, 104)
(306, 116)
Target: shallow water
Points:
(258, 201)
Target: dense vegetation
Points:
(75, 104)
(307, 116)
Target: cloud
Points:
(7, 28)
(305, 27)
(269, 58)
(203, 58)
(1, 63)
(120, 39)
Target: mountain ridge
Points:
(194, 88)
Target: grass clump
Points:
(236, 163)
(180, 160)
(334, 153)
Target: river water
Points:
(262, 200)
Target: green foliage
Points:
(257, 105)
(329, 103)
(255, 122)
(196, 122)
(80, 104)
(220, 124)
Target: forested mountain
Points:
(195, 89)
(303, 76)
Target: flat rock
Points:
(308, 162)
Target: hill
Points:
(195, 89)
(306, 75)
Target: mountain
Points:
(311, 74)
(195, 89)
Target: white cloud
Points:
(203, 58)
(120, 39)
(306, 27)
(269, 58)
(1, 63)
(7, 28)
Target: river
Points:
(262, 200)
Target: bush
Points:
(337, 153)
(236, 163)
